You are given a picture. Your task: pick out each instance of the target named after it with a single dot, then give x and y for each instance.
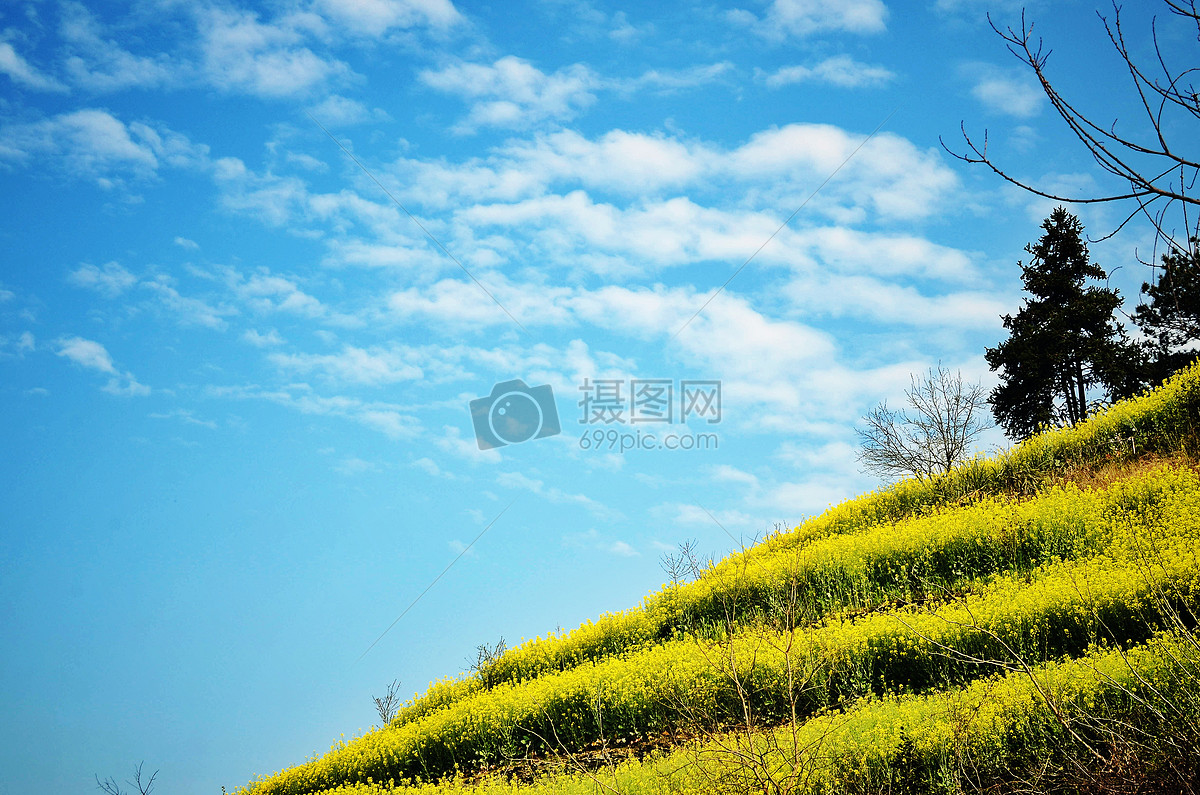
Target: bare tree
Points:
(110, 786)
(943, 418)
(485, 658)
(1160, 172)
(389, 705)
(683, 566)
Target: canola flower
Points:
(1058, 609)
(890, 743)
(1045, 577)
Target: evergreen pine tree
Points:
(1063, 341)
(1171, 321)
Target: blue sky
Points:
(236, 376)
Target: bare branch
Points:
(110, 786)
(1154, 168)
(389, 704)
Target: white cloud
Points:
(538, 195)
(99, 63)
(807, 498)
(516, 480)
(882, 302)
(87, 353)
(840, 70)
(731, 521)
(242, 54)
(94, 356)
(186, 416)
(94, 143)
(622, 549)
(728, 474)
(888, 174)
(391, 423)
(1015, 95)
(183, 242)
(17, 346)
(187, 310)
(391, 420)
(977, 8)
(377, 17)
(807, 17)
(430, 467)
(625, 32)
(776, 167)
(353, 365)
(593, 539)
(127, 386)
(268, 198)
(266, 292)
(513, 93)
(648, 162)
(458, 546)
(307, 162)
(22, 73)
(111, 280)
(453, 442)
(259, 340)
(338, 111)
(850, 251)
(758, 356)
(673, 79)
(354, 466)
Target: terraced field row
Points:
(892, 744)
(1056, 608)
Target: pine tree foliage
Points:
(1171, 319)
(1064, 342)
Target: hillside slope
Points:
(1023, 622)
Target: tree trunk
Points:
(1083, 410)
(1068, 387)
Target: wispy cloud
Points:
(93, 143)
(516, 480)
(355, 365)
(92, 355)
(21, 72)
(87, 353)
(186, 416)
(594, 539)
(394, 421)
(110, 280)
(840, 70)
(96, 61)
(803, 18)
(260, 340)
(513, 93)
(270, 59)
(1014, 94)
(338, 111)
(188, 310)
(378, 17)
